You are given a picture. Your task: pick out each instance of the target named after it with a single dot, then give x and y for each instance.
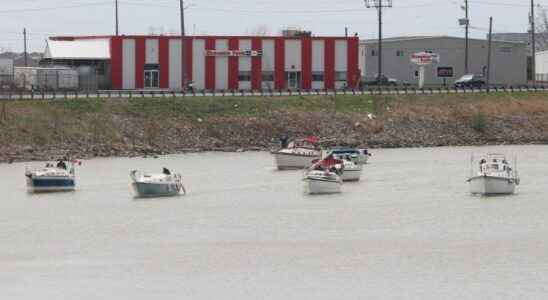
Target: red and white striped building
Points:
(223, 62)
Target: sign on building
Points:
(237, 53)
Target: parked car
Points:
(385, 81)
(470, 81)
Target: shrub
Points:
(479, 122)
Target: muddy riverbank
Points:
(41, 130)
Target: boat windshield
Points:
(494, 166)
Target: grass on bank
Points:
(203, 106)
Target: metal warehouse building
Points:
(214, 62)
(509, 59)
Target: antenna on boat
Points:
(472, 165)
(516, 166)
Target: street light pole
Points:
(183, 46)
(466, 33)
(25, 47)
(379, 5)
(488, 81)
(116, 16)
(533, 43)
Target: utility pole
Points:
(533, 43)
(379, 5)
(466, 32)
(25, 47)
(116, 16)
(183, 52)
(488, 79)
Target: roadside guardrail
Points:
(125, 94)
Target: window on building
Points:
(244, 76)
(267, 76)
(317, 76)
(400, 53)
(373, 52)
(340, 76)
(416, 74)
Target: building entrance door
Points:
(293, 80)
(152, 79)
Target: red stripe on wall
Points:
(163, 60)
(256, 64)
(116, 62)
(140, 48)
(210, 64)
(306, 56)
(329, 66)
(279, 63)
(233, 64)
(353, 76)
(188, 60)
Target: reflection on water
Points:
(246, 231)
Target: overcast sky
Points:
(44, 18)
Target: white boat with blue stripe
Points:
(52, 178)
(361, 155)
(165, 184)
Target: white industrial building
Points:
(541, 66)
(508, 64)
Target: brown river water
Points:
(408, 230)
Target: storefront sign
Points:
(234, 53)
(425, 58)
(445, 72)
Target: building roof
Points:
(92, 37)
(426, 37)
(87, 49)
(524, 37)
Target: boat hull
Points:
(150, 190)
(351, 175)
(51, 184)
(485, 185)
(286, 161)
(318, 187)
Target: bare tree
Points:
(541, 29)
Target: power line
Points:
(26, 10)
(293, 11)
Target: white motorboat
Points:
(298, 154)
(324, 177)
(52, 178)
(322, 182)
(352, 168)
(352, 171)
(362, 155)
(157, 185)
(494, 176)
